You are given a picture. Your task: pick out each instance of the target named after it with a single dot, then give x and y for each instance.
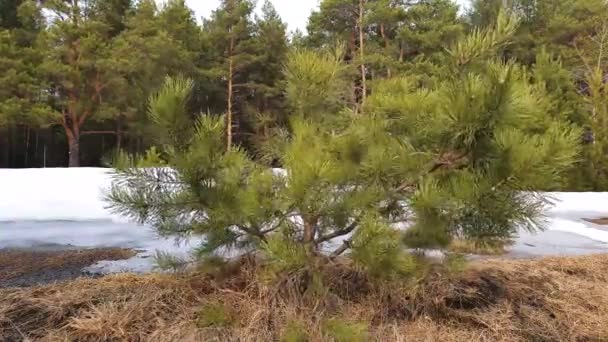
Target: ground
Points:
(554, 299)
(26, 267)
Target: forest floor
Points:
(551, 299)
(27, 267)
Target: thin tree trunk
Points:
(36, 134)
(386, 44)
(27, 146)
(362, 52)
(119, 133)
(5, 147)
(309, 235)
(229, 104)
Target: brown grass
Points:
(16, 263)
(470, 247)
(558, 299)
(602, 221)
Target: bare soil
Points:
(555, 299)
(602, 221)
(20, 268)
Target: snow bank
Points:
(578, 227)
(54, 194)
(65, 207)
(591, 203)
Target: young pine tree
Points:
(462, 159)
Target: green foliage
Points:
(294, 331)
(342, 331)
(167, 262)
(462, 158)
(214, 315)
(285, 253)
(168, 112)
(596, 102)
(556, 25)
(376, 246)
(316, 82)
(123, 160)
(435, 25)
(483, 43)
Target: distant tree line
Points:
(75, 76)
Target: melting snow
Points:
(64, 207)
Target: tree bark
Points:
(229, 104)
(386, 45)
(27, 147)
(5, 142)
(72, 132)
(309, 235)
(362, 52)
(74, 151)
(119, 133)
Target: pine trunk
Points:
(74, 151)
(309, 235)
(362, 53)
(229, 104)
(72, 132)
(386, 45)
(118, 134)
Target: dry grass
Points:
(470, 247)
(559, 299)
(602, 221)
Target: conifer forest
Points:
(76, 76)
(370, 177)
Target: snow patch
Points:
(54, 194)
(581, 203)
(578, 228)
(65, 207)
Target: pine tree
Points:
(344, 21)
(267, 78)
(554, 25)
(146, 51)
(596, 102)
(24, 98)
(386, 16)
(78, 68)
(450, 161)
(228, 34)
(429, 26)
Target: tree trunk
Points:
(309, 235)
(5, 147)
(72, 133)
(74, 152)
(229, 104)
(362, 53)
(386, 44)
(27, 147)
(118, 134)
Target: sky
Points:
(294, 12)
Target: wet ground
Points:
(27, 267)
(39, 252)
(554, 243)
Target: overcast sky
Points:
(294, 12)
